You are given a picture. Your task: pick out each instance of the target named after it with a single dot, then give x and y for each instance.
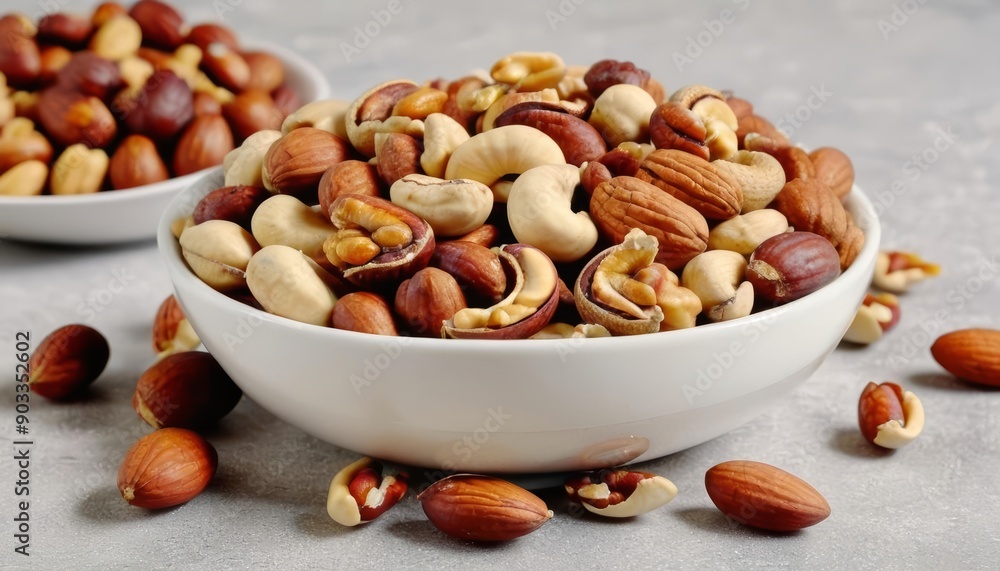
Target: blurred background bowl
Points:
(132, 214)
(526, 405)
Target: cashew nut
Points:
(79, 170)
(442, 135)
(622, 114)
(540, 213)
(288, 283)
(218, 252)
(716, 277)
(24, 179)
(745, 232)
(327, 114)
(529, 71)
(244, 165)
(760, 176)
(451, 207)
(286, 220)
(512, 149)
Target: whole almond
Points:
(166, 468)
(67, 361)
(482, 508)
(970, 354)
(763, 496)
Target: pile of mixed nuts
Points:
(540, 201)
(126, 97)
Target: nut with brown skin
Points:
(202, 35)
(136, 162)
(761, 126)
(970, 354)
(607, 72)
(172, 332)
(162, 26)
(579, 141)
(70, 117)
(623, 203)
(835, 169)
(364, 312)
(67, 361)
(372, 112)
(295, 163)
(185, 390)
(396, 156)
(226, 67)
(889, 417)
(529, 306)
(711, 110)
(53, 60)
(20, 60)
(204, 143)
(90, 74)
(428, 300)
(789, 266)
(620, 493)
(233, 203)
(166, 468)
(267, 72)
(360, 492)
(252, 111)
(763, 496)
(810, 206)
(161, 109)
(67, 30)
(877, 314)
(347, 177)
(896, 271)
(482, 508)
(476, 268)
(397, 242)
(105, 11)
(694, 181)
(795, 161)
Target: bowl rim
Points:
(860, 205)
(303, 67)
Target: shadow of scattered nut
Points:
(423, 532)
(106, 506)
(850, 442)
(316, 523)
(945, 381)
(705, 519)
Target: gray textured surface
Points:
(931, 505)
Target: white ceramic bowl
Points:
(526, 405)
(125, 215)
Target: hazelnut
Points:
(788, 266)
(204, 34)
(427, 300)
(159, 110)
(20, 60)
(267, 73)
(67, 361)
(172, 332)
(233, 203)
(70, 117)
(160, 23)
(295, 163)
(205, 142)
(166, 468)
(185, 390)
(136, 162)
(364, 312)
(91, 74)
(252, 111)
(64, 30)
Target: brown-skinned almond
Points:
(763, 496)
(482, 508)
(970, 354)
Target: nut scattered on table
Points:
(970, 354)
(482, 508)
(621, 493)
(360, 492)
(889, 416)
(172, 332)
(878, 314)
(166, 468)
(67, 361)
(895, 272)
(185, 390)
(763, 496)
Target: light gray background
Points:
(931, 505)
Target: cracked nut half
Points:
(607, 291)
(895, 272)
(530, 305)
(621, 493)
(890, 417)
(360, 492)
(878, 313)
